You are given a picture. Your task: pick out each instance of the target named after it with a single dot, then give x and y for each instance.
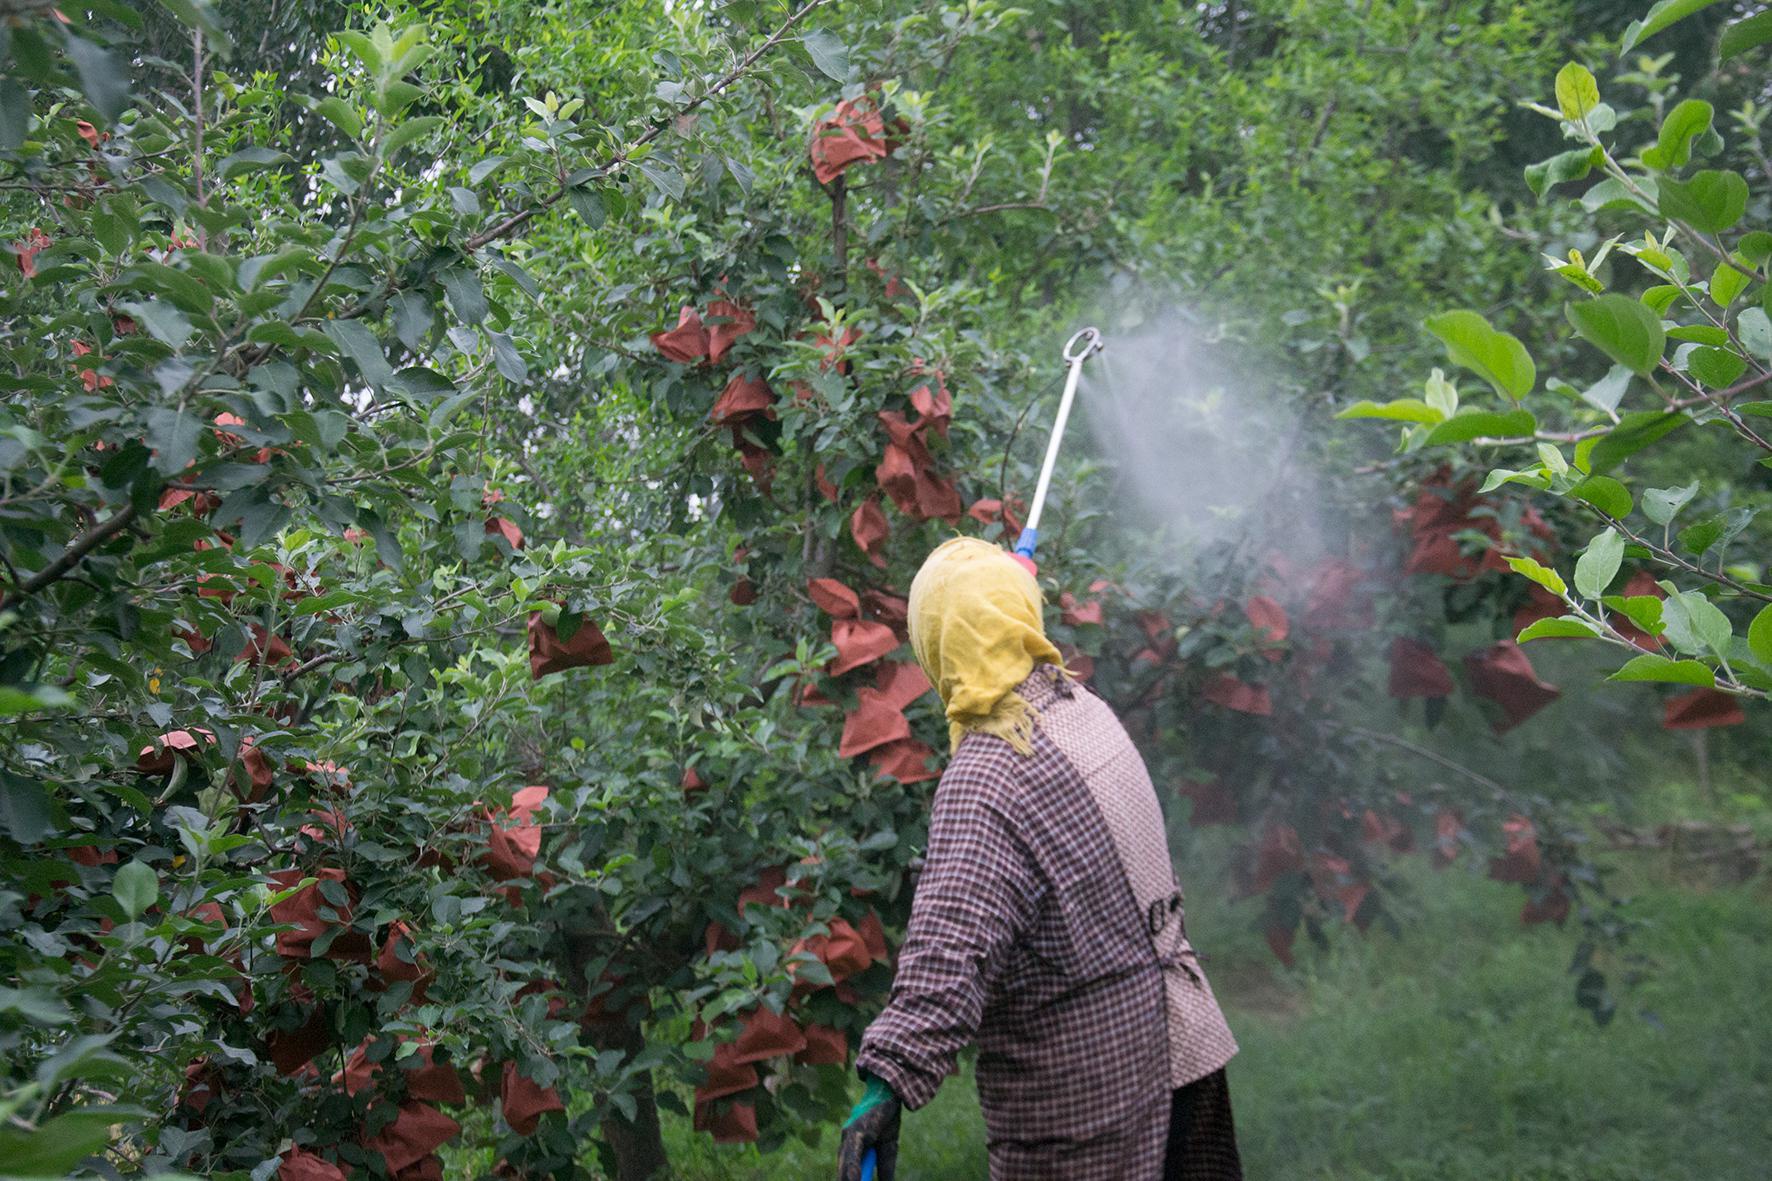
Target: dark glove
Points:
(873, 1124)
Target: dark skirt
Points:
(1202, 1138)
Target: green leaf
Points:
(1497, 357)
(1642, 610)
(1544, 576)
(467, 298)
(1663, 14)
(1401, 410)
(1725, 284)
(505, 357)
(1717, 368)
(364, 350)
(1755, 329)
(1598, 565)
(1622, 328)
(1755, 247)
(1565, 166)
(341, 115)
(486, 167)
(1759, 636)
(1533, 478)
(27, 811)
(1633, 433)
(664, 177)
(1577, 92)
(1720, 529)
(103, 78)
(1605, 494)
(164, 322)
(1567, 627)
(828, 53)
(1650, 667)
(249, 159)
(588, 203)
(1685, 123)
(1474, 424)
(366, 50)
(1710, 624)
(1694, 623)
(57, 1145)
(1613, 193)
(1710, 202)
(136, 888)
(1662, 505)
(1605, 394)
(396, 97)
(1747, 34)
(1699, 333)
(173, 433)
(406, 132)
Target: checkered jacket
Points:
(1045, 928)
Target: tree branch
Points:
(72, 556)
(522, 217)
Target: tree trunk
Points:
(637, 1144)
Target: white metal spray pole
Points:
(1076, 350)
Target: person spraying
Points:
(1047, 925)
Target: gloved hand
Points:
(872, 1124)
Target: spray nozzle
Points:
(1088, 339)
(1083, 344)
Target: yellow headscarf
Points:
(976, 629)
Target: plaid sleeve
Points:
(978, 893)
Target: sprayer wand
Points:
(1077, 349)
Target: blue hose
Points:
(869, 1162)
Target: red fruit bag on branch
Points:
(766, 1034)
(834, 599)
(729, 1123)
(548, 653)
(906, 760)
(726, 323)
(301, 1165)
(1520, 860)
(1701, 709)
(1502, 674)
(1267, 617)
(726, 1075)
(901, 683)
(824, 1047)
(1231, 693)
(867, 525)
(687, 343)
(743, 399)
(855, 133)
(158, 757)
(859, 642)
(293, 1048)
(1417, 671)
(417, 1132)
(1213, 802)
(1549, 905)
(303, 907)
(873, 723)
(524, 1102)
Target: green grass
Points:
(1454, 1052)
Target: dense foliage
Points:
(463, 463)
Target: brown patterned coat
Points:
(1033, 933)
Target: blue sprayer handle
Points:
(869, 1162)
